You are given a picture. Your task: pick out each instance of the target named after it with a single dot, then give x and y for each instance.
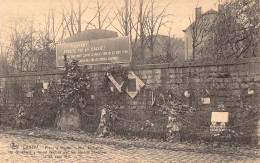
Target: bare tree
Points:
(140, 32)
(31, 48)
(55, 30)
(131, 19)
(200, 30)
(103, 10)
(233, 32)
(5, 52)
(125, 17)
(141, 20)
(236, 30)
(167, 45)
(72, 18)
(20, 42)
(155, 19)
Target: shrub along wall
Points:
(22, 97)
(231, 86)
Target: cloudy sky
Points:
(180, 9)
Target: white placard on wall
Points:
(205, 100)
(219, 117)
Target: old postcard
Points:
(129, 81)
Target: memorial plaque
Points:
(101, 51)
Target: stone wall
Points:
(16, 88)
(224, 82)
(232, 84)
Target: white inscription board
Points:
(219, 117)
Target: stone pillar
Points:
(173, 127)
(173, 130)
(103, 128)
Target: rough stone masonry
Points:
(232, 83)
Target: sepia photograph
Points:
(135, 81)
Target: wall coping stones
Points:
(42, 73)
(148, 66)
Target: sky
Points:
(180, 9)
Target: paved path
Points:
(15, 148)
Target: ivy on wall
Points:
(75, 87)
(111, 94)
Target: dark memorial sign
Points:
(102, 51)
